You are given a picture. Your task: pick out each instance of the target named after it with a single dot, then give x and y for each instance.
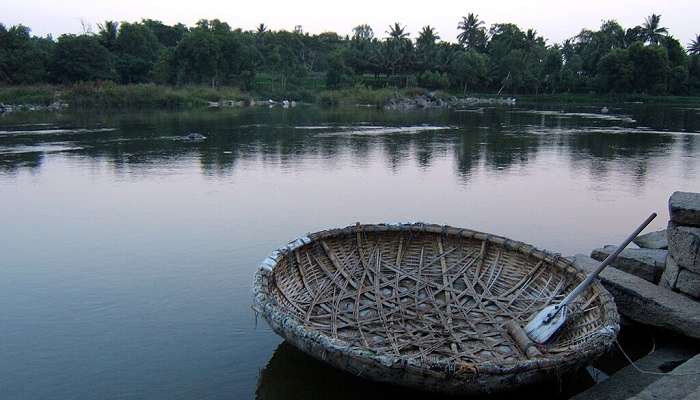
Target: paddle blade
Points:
(546, 323)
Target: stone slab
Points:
(684, 208)
(670, 275)
(627, 382)
(646, 303)
(652, 240)
(689, 283)
(684, 246)
(684, 383)
(647, 264)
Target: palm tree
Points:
(363, 32)
(633, 35)
(651, 30)
(531, 35)
(397, 32)
(427, 36)
(694, 46)
(262, 28)
(108, 33)
(426, 49)
(473, 32)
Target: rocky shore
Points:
(657, 285)
(671, 257)
(400, 103)
(11, 108)
(431, 101)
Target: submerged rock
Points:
(653, 240)
(684, 208)
(195, 136)
(647, 264)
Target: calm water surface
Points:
(127, 253)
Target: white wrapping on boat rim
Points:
(400, 224)
(271, 261)
(607, 330)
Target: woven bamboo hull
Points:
(424, 306)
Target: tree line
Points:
(501, 58)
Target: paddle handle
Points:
(609, 259)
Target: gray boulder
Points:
(682, 384)
(646, 303)
(670, 275)
(680, 279)
(647, 264)
(688, 283)
(684, 245)
(652, 240)
(684, 208)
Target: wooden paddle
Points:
(551, 318)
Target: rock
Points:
(683, 384)
(684, 245)
(195, 137)
(670, 275)
(688, 283)
(652, 240)
(422, 102)
(684, 208)
(646, 303)
(647, 264)
(627, 382)
(680, 279)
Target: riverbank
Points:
(111, 96)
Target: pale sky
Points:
(555, 20)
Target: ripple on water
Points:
(57, 131)
(385, 130)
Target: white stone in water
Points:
(684, 208)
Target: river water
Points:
(127, 253)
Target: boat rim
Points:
(265, 304)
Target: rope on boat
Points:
(670, 373)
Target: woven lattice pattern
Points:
(426, 295)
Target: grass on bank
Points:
(109, 95)
(115, 96)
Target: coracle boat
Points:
(427, 306)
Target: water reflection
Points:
(497, 140)
(291, 374)
(130, 251)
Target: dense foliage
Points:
(503, 58)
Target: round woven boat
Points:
(425, 306)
